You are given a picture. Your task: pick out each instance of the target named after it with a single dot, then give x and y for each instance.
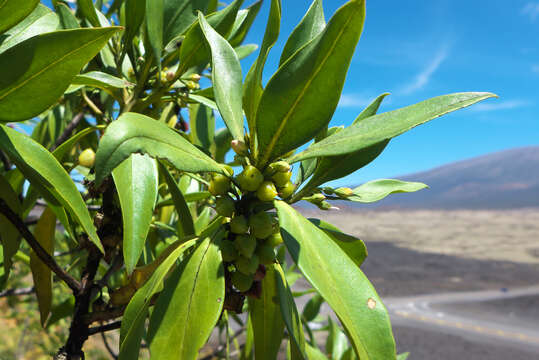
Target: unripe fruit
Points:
(195, 77)
(250, 178)
(287, 190)
(281, 166)
(261, 225)
(265, 254)
(266, 191)
(238, 225)
(245, 244)
(219, 185)
(275, 239)
(191, 85)
(241, 282)
(225, 206)
(344, 192)
(169, 75)
(247, 266)
(229, 170)
(281, 178)
(228, 251)
(87, 158)
(239, 147)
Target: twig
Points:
(5, 160)
(103, 328)
(91, 104)
(107, 345)
(68, 130)
(38, 249)
(221, 347)
(17, 292)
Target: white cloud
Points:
(531, 10)
(424, 76)
(355, 100)
(499, 105)
(535, 68)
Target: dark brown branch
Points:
(68, 130)
(36, 246)
(107, 345)
(17, 292)
(105, 315)
(102, 328)
(5, 160)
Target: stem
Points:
(68, 130)
(103, 328)
(17, 292)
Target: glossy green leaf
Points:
(46, 174)
(312, 24)
(222, 140)
(226, 79)
(242, 24)
(136, 312)
(203, 219)
(349, 354)
(403, 356)
(14, 11)
(190, 304)
(193, 51)
(267, 321)
(87, 9)
(136, 180)
(313, 353)
(290, 314)
(180, 15)
(202, 124)
(101, 80)
(388, 125)
(155, 27)
(41, 20)
(243, 51)
(9, 236)
(45, 65)
(376, 190)
(371, 109)
(352, 246)
(290, 112)
(191, 197)
(41, 273)
(185, 220)
(342, 284)
(132, 133)
(68, 20)
(61, 151)
(252, 90)
(312, 308)
(336, 342)
(135, 11)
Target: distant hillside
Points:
(502, 180)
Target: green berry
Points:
(275, 239)
(281, 178)
(287, 190)
(266, 191)
(245, 244)
(247, 266)
(344, 192)
(265, 253)
(225, 206)
(241, 281)
(261, 225)
(219, 185)
(238, 225)
(239, 147)
(87, 158)
(250, 178)
(228, 251)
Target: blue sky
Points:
(420, 49)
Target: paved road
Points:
(424, 312)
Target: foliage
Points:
(160, 238)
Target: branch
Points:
(36, 246)
(107, 345)
(68, 130)
(16, 292)
(5, 160)
(103, 328)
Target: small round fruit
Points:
(275, 239)
(241, 281)
(287, 190)
(87, 158)
(228, 251)
(265, 253)
(245, 244)
(280, 166)
(266, 191)
(219, 185)
(281, 178)
(344, 192)
(247, 266)
(225, 206)
(238, 225)
(239, 147)
(229, 169)
(250, 178)
(261, 225)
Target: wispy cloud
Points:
(424, 76)
(355, 100)
(535, 68)
(500, 105)
(531, 10)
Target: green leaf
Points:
(190, 304)
(336, 342)
(132, 133)
(312, 308)
(252, 90)
(185, 220)
(372, 109)
(313, 353)
(101, 80)
(180, 15)
(312, 24)
(134, 16)
(9, 236)
(45, 65)
(291, 112)
(342, 284)
(14, 11)
(202, 124)
(41, 273)
(242, 24)
(136, 180)
(388, 125)
(267, 321)
(243, 51)
(87, 9)
(290, 314)
(226, 79)
(61, 151)
(203, 219)
(41, 20)
(46, 174)
(403, 356)
(376, 190)
(67, 19)
(222, 140)
(135, 314)
(352, 246)
(154, 27)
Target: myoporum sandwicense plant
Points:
(177, 228)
